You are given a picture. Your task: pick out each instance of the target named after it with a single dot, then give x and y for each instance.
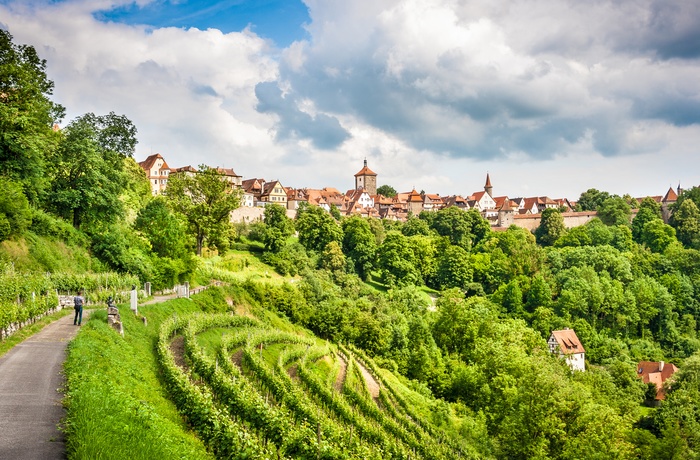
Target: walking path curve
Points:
(30, 393)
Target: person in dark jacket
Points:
(78, 302)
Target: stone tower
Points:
(367, 180)
(487, 187)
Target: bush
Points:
(45, 224)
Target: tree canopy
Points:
(27, 115)
(205, 200)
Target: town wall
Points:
(571, 219)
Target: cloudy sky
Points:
(551, 97)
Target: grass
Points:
(116, 405)
(28, 331)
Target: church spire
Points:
(487, 187)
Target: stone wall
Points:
(249, 215)
(571, 219)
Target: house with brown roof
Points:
(456, 200)
(414, 202)
(157, 171)
(657, 373)
(432, 202)
(566, 344)
(273, 192)
(231, 176)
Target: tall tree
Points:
(15, 215)
(648, 210)
(591, 199)
(26, 115)
(387, 190)
(360, 245)
(164, 230)
(317, 228)
(278, 227)
(88, 169)
(397, 262)
(614, 211)
(686, 221)
(205, 199)
(551, 227)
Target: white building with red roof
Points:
(157, 171)
(566, 344)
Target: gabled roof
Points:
(188, 168)
(568, 341)
(252, 185)
(227, 172)
(656, 373)
(670, 196)
(477, 196)
(148, 163)
(269, 186)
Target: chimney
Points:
(661, 366)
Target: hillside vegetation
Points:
(440, 322)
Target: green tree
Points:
(397, 262)
(15, 214)
(539, 294)
(686, 221)
(591, 199)
(205, 200)
(415, 226)
(164, 230)
(551, 227)
(453, 268)
(614, 211)
(317, 228)
(657, 236)
(88, 170)
(386, 190)
(26, 116)
(648, 211)
(360, 245)
(278, 227)
(332, 257)
(462, 228)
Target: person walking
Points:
(78, 302)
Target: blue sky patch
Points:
(278, 20)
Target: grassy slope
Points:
(116, 405)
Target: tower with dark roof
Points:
(367, 180)
(487, 187)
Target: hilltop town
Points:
(501, 211)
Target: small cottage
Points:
(566, 345)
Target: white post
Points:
(134, 300)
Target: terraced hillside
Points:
(251, 390)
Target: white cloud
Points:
(433, 92)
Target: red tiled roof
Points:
(656, 373)
(568, 341)
(415, 197)
(188, 168)
(670, 196)
(148, 163)
(488, 181)
(227, 172)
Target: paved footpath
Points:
(30, 394)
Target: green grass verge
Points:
(116, 406)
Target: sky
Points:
(550, 97)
